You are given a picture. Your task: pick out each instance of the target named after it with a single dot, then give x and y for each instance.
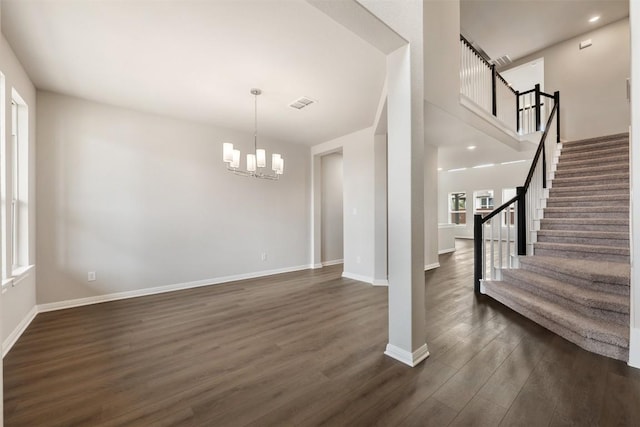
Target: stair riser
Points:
(620, 317)
(578, 172)
(559, 203)
(578, 281)
(584, 227)
(586, 213)
(578, 183)
(564, 163)
(582, 192)
(619, 243)
(588, 148)
(592, 154)
(598, 140)
(581, 255)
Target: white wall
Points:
(145, 201)
(18, 303)
(430, 207)
(495, 178)
(591, 81)
(332, 208)
(358, 202)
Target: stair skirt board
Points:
(577, 283)
(589, 344)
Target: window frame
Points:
(458, 212)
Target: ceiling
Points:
(520, 27)
(198, 60)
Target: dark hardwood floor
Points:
(306, 349)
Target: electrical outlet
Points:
(91, 276)
(263, 256)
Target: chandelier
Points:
(256, 161)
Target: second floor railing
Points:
(523, 112)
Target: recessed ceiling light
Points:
(471, 147)
(594, 18)
(456, 170)
(512, 162)
(439, 169)
(488, 165)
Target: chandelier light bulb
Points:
(227, 152)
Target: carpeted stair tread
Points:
(619, 158)
(592, 189)
(597, 139)
(600, 337)
(586, 224)
(592, 200)
(587, 212)
(596, 169)
(580, 181)
(584, 249)
(616, 143)
(600, 152)
(613, 273)
(548, 287)
(604, 238)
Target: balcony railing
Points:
(523, 112)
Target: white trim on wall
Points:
(358, 277)
(332, 262)
(431, 266)
(42, 308)
(19, 330)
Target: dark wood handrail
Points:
(499, 209)
(476, 51)
(540, 148)
(487, 63)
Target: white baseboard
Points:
(333, 262)
(358, 277)
(380, 282)
(446, 251)
(61, 305)
(406, 357)
(19, 330)
(431, 266)
(634, 348)
(314, 266)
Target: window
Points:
(17, 161)
(508, 194)
(482, 202)
(458, 208)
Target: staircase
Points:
(577, 282)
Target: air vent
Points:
(502, 61)
(302, 102)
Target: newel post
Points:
(494, 100)
(538, 109)
(522, 221)
(556, 99)
(477, 252)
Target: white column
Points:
(406, 210)
(430, 207)
(380, 274)
(316, 211)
